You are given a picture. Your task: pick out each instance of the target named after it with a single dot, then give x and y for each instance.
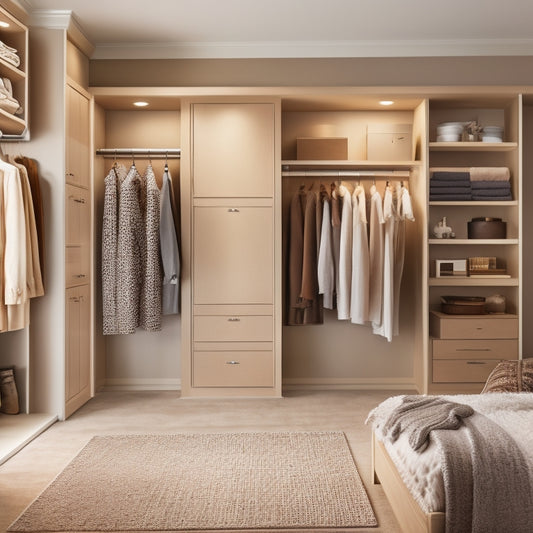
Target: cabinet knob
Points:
(234, 319)
(71, 174)
(233, 210)
(233, 363)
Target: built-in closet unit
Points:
(464, 349)
(47, 353)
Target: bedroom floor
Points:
(24, 476)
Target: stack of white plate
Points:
(449, 131)
(492, 134)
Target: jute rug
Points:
(293, 480)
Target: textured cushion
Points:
(511, 376)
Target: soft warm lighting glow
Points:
(387, 102)
(140, 104)
(4, 24)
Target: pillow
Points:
(511, 376)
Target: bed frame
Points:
(407, 511)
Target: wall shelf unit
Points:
(472, 147)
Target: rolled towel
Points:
(444, 183)
(450, 175)
(496, 184)
(489, 174)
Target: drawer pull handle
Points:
(474, 349)
(479, 328)
(476, 363)
(233, 363)
(74, 299)
(234, 319)
(233, 210)
(79, 276)
(79, 200)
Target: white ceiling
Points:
(299, 28)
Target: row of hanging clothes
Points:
(21, 240)
(346, 248)
(140, 250)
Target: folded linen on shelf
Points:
(448, 190)
(496, 184)
(489, 174)
(491, 192)
(450, 175)
(9, 54)
(505, 198)
(450, 197)
(443, 184)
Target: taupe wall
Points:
(314, 72)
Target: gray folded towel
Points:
(451, 175)
(491, 192)
(492, 198)
(497, 184)
(449, 183)
(448, 190)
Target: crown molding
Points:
(315, 49)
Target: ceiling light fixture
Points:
(140, 104)
(386, 102)
(4, 24)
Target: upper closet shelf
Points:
(288, 165)
(472, 147)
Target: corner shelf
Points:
(472, 242)
(474, 203)
(473, 282)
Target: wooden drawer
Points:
(77, 266)
(233, 369)
(475, 349)
(462, 370)
(233, 328)
(473, 327)
(78, 211)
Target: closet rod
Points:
(388, 174)
(171, 153)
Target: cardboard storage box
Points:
(389, 142)
(326, 148)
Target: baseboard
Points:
(141, 384)
(405, 384)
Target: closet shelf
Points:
(472, 147)
(289, 165)
(471, 203)
(471, 242)
(473, 282)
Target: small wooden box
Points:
(325, 148)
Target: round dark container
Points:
(487, 228)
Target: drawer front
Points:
(233, 328)
(462, 371)
(478, 328)
(77, 266)
(475, 349)
(233, 369)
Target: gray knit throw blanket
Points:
(419, 415)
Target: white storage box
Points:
(389, 142)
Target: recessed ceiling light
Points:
(140, 104)
(4, 24)
(386, 102)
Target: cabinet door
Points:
(78, 138)
(232, 250)
(233, 150)
(78, 223)
(78, 350)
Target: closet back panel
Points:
(143, 359)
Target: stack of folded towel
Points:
(450, 185)
(490, 183)
(9, 54)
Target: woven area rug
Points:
(187, 482)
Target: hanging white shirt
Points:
(375, 246)
(360, 259)
(385, 328)
(326, 265)
(345, 256)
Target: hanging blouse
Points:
(326, 263)
(345, 255)
(360, 259)
(131, 251)
(112, 183)
(150, 312)
(375, 256)
(170, 258)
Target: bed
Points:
(418, 483)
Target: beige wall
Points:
(314, 72)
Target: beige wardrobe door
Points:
(232, 254)
(233, 150)
(78, 167)
(78, 343)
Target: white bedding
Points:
(421, 472)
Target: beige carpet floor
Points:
(29, 472)
(199, 481)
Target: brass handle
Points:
(74, 299)
(233, 210)
(474, 350)
(79, 200)
(79, 276)
(233, 363)
(234, 319)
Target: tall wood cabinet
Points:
(231, 219)
(78, 220)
